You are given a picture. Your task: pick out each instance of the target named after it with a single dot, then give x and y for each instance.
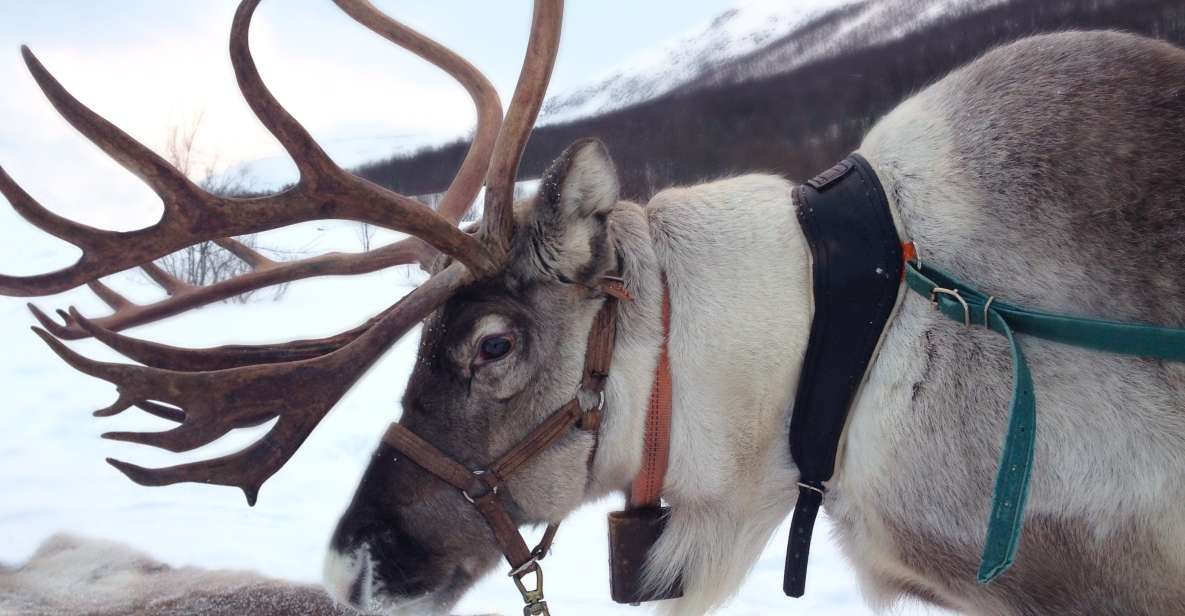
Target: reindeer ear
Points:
(567, 232)
(582, 182)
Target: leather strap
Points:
(552, 429)
(431, 459)
(856, 262)
(1097, 334)
(646, 490)
(968, 305)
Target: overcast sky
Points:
(148, 65)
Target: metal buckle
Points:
(955, 294)
(535, 604)
(491, 490)
(807, 486)
(600, 400)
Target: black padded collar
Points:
(857, 267)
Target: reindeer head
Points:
(495, 361)
(507, 309)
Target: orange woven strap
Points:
(656, 444)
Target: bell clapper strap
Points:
(635, 531)
(480, 487)
(646, 489)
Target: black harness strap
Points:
(857, 267)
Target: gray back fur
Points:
(1049, 173)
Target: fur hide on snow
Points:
(74, 575)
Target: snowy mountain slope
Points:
(753, 39)
(846, 28)
(746, 27)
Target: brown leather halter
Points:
(480, 486)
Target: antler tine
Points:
(409, 250)
(167, 357)
(113, 300)
(170, 283)
(65, 332)
(312, 161)
(498, 221)
(249, 255)
(171, 185)
(78, 234)
(214, 402)
(464, 188)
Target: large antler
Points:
(211, 403)
(212, 391)
(314, 167)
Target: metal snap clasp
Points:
(532, 597)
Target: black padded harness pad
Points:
(857, 268)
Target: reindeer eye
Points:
(493, 348)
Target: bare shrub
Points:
(208, 263)
(365, 235)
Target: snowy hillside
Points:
(848, 27)
(753, 39)
(740, 30)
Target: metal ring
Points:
(525, 568)
(478, 473)
(987, 324)
(600, 401)
(955, 294)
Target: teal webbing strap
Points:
(1012, 479)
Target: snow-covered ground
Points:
(52, 474)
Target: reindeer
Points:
(1048, 171)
